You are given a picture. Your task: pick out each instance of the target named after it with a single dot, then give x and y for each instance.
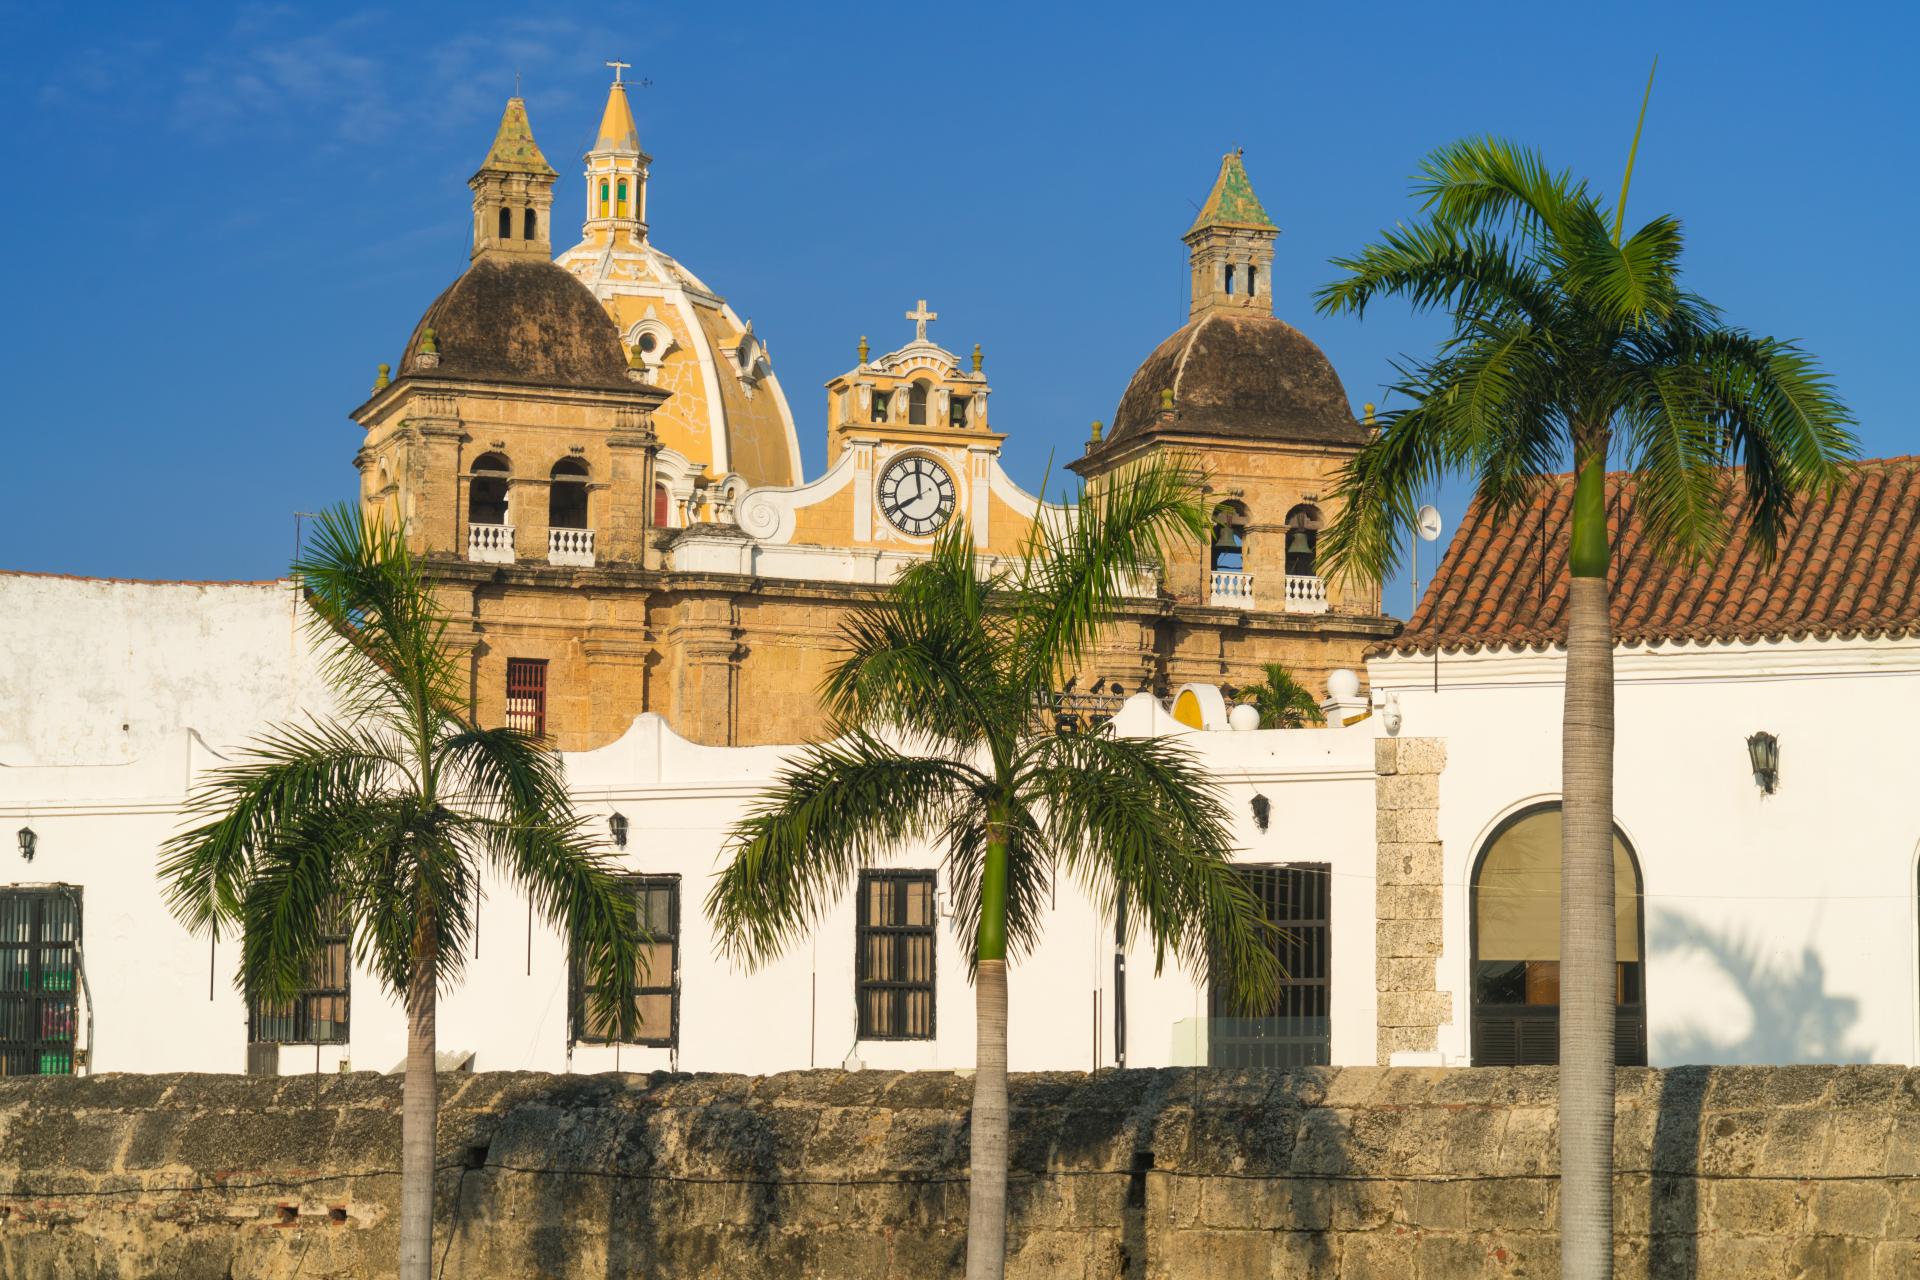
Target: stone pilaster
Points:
(1407, 894)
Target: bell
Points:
(1299, 543)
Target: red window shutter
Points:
(527, 696)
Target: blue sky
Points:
(224, 218)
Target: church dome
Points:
(1239, 374)
(522, 319)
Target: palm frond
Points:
(1491, 182)
(928, 658)
(1283, 702)
(1432, 266)
(836, 808)
(1143, 815)
(288, 775)
(1076, 574)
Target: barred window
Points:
(894, 964)
(317, 1014)
(39, 945)
(1296, 1030)
(656, 909)
(527, 696)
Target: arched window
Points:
(662, 507)
(1229, 279)
(1253, 282)
(917, 403)
(620, 207)
(1303, 540)
(529, 225)
(487, 492)
(506, 224)
(567, 495)
(603, 197)
(1516, 946)
(1229, 538)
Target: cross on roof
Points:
(920, 315)
(618, 67)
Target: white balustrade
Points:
(1305, 594)
(570, 547)
(1230, 590)
(490, 543)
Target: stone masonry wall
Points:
(1407, 888)
(1157, 1175)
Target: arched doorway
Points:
(1515, 905)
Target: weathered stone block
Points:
(1409, 862)
(1408, 937)
(1852, 1208)
(1386, 756)
(1407, 791)
(1415, 1008)
(1422, 755)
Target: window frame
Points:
(579, 991)
(1630, 1017)
(341, 934)
(37, 1000)
(899, 988)
(539, 695)
(1306, 943)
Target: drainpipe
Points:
(1120, 979)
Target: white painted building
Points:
(1774, 926)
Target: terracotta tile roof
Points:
(1848, 565)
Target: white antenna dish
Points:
(1428, 523)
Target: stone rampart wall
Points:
(1161, 1175)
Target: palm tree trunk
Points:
(987, 1172)
(1588, 974)
(418, 1117)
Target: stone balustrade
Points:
(490, 543)
(1305, 593)
(1229, 589)
(570, 547)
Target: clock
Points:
(917, 495)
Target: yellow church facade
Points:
(593, 456)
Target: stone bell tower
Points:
(1230, 247)
(513, 191)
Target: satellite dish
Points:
(1428, 523)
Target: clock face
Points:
(917, 495)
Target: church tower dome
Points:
(727, 426)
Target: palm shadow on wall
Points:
(1793, 1020)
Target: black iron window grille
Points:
(317, 1014)
(1298, 1030)
(39, 980)
(894, 955)
(656, 999)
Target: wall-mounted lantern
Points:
(28, 842)
(1262, 812)
(1763, 750)
(617, 824)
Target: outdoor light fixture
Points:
(618, 825)
(1262, 812)
(27, 842)
(1763, 749)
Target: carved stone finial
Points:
(1094, 437)
(1166, 400)
(430, 343)
(384, 378)
(636, 358)
(863, 349)
(976, 357)
(1369, 412)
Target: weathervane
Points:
(618, 67)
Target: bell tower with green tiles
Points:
(1230, 247)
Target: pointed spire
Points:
(514, 150)
(617, 130)
(1231, 202)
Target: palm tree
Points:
(1572, 344)
(1283, 702)
(384, 817)
(943, 702)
